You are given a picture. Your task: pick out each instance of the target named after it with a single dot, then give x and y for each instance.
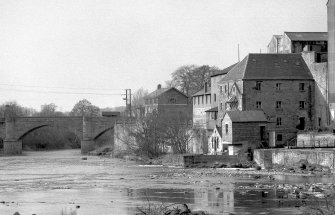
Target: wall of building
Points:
(285, 45)
(215, 89)
(226, 95)
(247, 132)
(268, 157)
(319, 72)
(200, 105)
(227, 137)
(331, 54)
(289, 95)
(273, 45)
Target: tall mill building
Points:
(331, 56)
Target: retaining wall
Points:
(191, 160)
(268, 157)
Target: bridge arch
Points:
(88, 129)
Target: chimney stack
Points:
(159, 86)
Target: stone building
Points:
(243, 127)
(296, 42)
(215, 146)
(313, 46)
(168, 102)
(205, 102)
(281, 85)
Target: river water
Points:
(61, 182)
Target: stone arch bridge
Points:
(88, 129)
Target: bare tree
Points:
(138, 102)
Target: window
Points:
(194, 100)
(226, 128)
(206, 99)
(258, 85)
(225, 88)
(220, 89)
(279, 137)
(202, 99)
(258, 104)
(172, 101)
(278, 123)
(301, 86)
(221, 106)
(198, 100)
(319, 119)
(302, 104)
(278, 86)
(278, 105)
(214, 97)
(226, 106)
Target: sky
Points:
(61, 51)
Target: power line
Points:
(69, 88)
(56, 92)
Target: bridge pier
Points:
(12, 147)
(87, 146)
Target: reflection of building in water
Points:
(215, 200)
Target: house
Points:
(169, 103)
(314, 49)
(243, 127)
(280, 85)
(205, 102)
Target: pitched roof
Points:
(224, 71)
(202, 92)
(307, 36)
(247, 116)
(160, 91)
(270, 67)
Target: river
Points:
(61, 182)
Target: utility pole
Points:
(128, 101)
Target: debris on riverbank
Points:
(161, 209)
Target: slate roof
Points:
(160, 91)
(224, 71)
(247, 116)
(202, 92)
(270, 67)
(307, 36)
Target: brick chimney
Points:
(159, 86)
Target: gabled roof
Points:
(270, 67)
(307, 36)
(160, 91)
(202, 92)
(224, 71)
(247, 116)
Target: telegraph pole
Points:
(128, 101)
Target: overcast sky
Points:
(67, 45)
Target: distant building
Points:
(297, 42)
(280, 85)
(331, 55)
(169, 103)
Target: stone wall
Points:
(268, 157)
(316, 140)
(319, 72)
